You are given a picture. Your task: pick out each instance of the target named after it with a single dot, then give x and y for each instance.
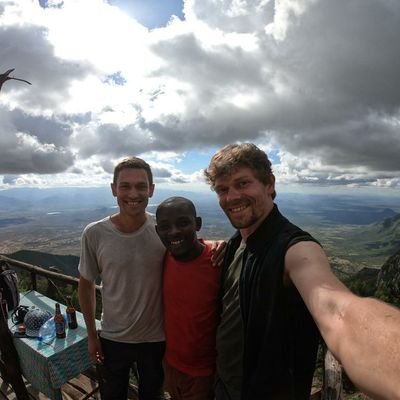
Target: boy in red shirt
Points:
(191, 291)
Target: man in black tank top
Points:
(278, 295)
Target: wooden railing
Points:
(332, 371)
(36, 271)
(54, 279)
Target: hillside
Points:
(382, 283)
(383, 237)
(66, 264)
(361, 247)
(388, 281)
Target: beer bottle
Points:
(60, 322)
(71, 314)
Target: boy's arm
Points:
(363, 333)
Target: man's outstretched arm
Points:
(362, 333)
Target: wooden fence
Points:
(55, 282)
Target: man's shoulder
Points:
(97, 225)
(205, 258)
(295, 234)
(209, 246)
(150, 219)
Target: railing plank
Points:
(36, 270)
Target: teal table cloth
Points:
(47, 366)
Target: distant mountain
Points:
(80, 198)
(329, 210)
(384, 235)
(12, 202)
(302, 208)
(361, 246)
(390, 224)
(67, 265)
(54, 199)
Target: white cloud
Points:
(285, 15)
(314, 80)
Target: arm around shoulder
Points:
(363, 333)
(218, 248)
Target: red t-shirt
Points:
(191, 292)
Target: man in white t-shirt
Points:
(126, 252)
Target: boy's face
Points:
(177, 228)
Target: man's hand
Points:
(95, 350)
(218, 250)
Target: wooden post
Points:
(33, 280)
(9, 363)
(333, 387)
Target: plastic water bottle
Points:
(47, 331)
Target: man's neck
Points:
(127, 224)
(246, 232)
(194, 252)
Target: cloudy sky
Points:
(316, 83)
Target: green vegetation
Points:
(360, 246)
(65, 264)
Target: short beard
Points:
(244, 225)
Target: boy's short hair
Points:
(182, 201)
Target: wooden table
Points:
(47, 366)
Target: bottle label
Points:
(72, 322)
(60, 328)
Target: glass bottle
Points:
(71, 314)
(60, 322)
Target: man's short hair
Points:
(133, 162)
(233, 156)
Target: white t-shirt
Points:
(130, 267)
